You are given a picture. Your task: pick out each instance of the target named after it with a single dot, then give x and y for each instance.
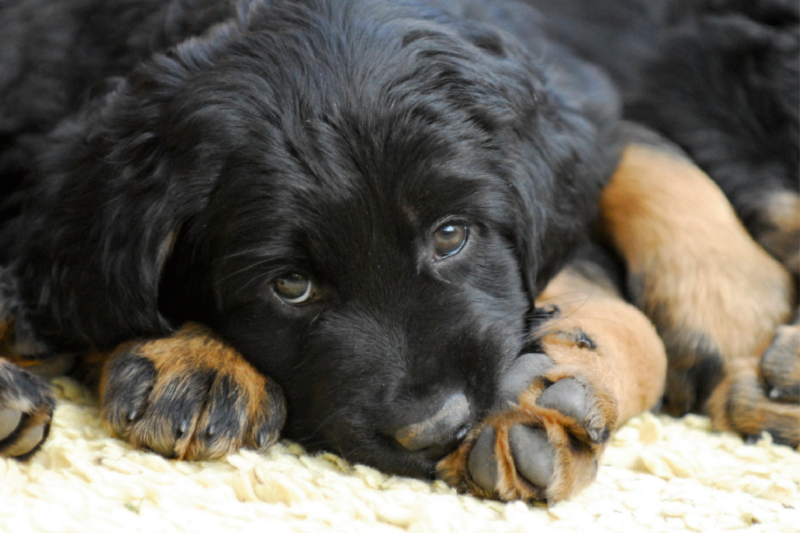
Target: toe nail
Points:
(28, 441)
(183, 428)
(482, 462)
(211, 431)
(9, 420)
(774, 394)
(265, 436)
(133, 415)
(584, 341)
(751, 439)
(533, 454)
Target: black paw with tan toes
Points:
(26, 410)
(546, 441)
(189, 396)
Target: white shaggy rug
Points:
(659, 474)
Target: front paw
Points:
(189, 396)
(26, 410)
(546, 446)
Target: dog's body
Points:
(364, 198)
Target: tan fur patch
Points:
(702, 271)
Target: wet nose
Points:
(440, 433)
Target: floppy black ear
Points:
(569, 151)
(109, 195)
(555, 119)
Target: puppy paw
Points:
(189, 396)
(780, 365)
(26, 410)
(545, 446)
(742, 404)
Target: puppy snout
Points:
(438, 434)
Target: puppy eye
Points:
(449, 239)
(295, 289)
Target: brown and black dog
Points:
(379, 210)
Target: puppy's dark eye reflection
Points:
(295, 289)
(449, 239)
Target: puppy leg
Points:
(188, 396)
(603, 363)
(715, 296)
(26, 400)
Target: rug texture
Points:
(659, 474)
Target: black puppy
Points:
(362, 197)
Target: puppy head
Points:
(365, 199)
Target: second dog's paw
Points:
(780, 365)
(741, 403)
(189, 396)
(26, 410)
(546, 446)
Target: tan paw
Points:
(547, 446)
(189, 396)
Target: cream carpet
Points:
(659, 474)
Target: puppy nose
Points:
(440, 433)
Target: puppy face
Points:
(363, 200)
(373, 287)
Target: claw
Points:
(30, 439)
(9, 421)
(584, 341)
(183, 428)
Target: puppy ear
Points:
(569, 152)
(108, 199)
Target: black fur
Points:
(328, 138)
(172, 182)
(720, 78)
